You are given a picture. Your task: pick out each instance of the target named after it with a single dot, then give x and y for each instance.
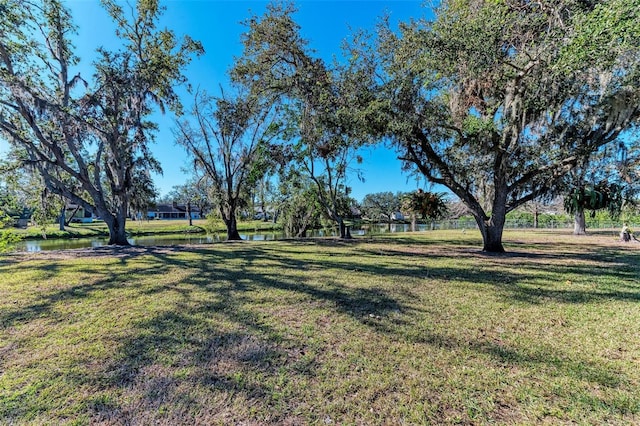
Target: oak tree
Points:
(316, 103)
(88, 140)
(506, 92)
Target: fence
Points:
(523, 223)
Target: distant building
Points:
(175, 211)
(355, 213)
(23, 219)
(397, 216)
(78, 214)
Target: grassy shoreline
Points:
(418, 328)
(140, 228)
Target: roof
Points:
(168, 208)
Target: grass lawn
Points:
(417, 328)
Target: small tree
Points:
(7, 237)
(29, 192)
(143, 193)
(429, 205)
(603, 180)
(593, 197)
(223, 136)
(381, 204)
(300, 210)
(191, 194)
(269, 168)
(8, 205)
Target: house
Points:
(397, 216)
(355, 213)
(77, 214)
(23, 218)
(172, 211)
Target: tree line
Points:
(503, 102)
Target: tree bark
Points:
(189, 213)
(232, 228)
(62, 219)
(117, 231)
(491, 237)
(579, 223)
(491, 230)
(344, 234)
(72, 214)
(228, 214)
(263, 208)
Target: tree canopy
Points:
(90, 144)
(506, 92)
(224, 136)
(381, 204)
(316, 103)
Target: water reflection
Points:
(154, 240)
(182, 239)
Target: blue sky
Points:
(217, 24)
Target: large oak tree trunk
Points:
(228, 214)
(117, 232)
(344, 231)
(579, 223)
(491, 228)
(232, 228)
(492, 239)
(491, 231)
(491, 236)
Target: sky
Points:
(217, 24)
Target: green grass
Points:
(419, 328)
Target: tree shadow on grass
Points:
(212, 341)
(618, 270)
(112, 276)
(547, 359)
(234, 360)
(247, 276)
(8, 259)
(226, 345)
(43, 306)
(526, 276)
(169, 373)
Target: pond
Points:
(186, 239)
